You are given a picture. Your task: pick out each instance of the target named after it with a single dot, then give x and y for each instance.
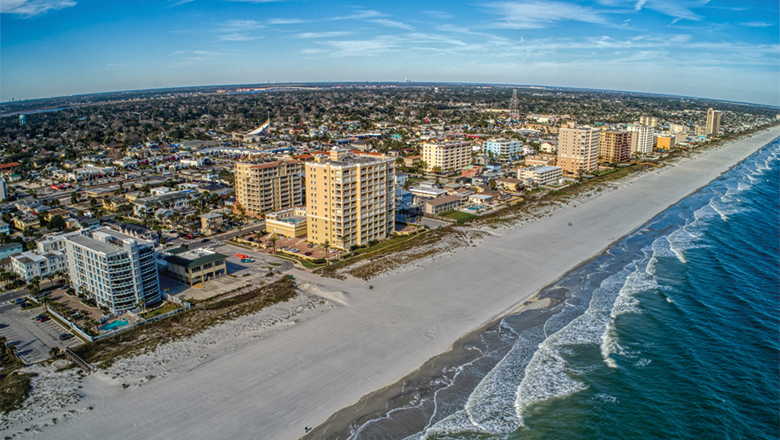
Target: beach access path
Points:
(277, 385)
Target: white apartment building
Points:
(504, 149)
(541, 174)
(642, 137)
(578, 149)
(448, 155)
(349, 198)
(117, 270)
(35, 263)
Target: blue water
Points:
(114, 325)
(673, 333)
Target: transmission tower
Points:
(514, 110)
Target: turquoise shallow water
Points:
(672, 333)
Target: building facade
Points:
(196, 266)
(578, 149)
(350, 199)
(641, 139)
(447, 156)
(34, 263)
(614, 146)
(287, 223)
(651, 121)
(505, 150)
(665, 143)
(713, 121)
(117, 270)
(541, 174)
(269, 187)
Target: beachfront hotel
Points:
(578, 149)
(350, 198)
(447, 155)
(615, 146)
(117, 270)
(269, 187)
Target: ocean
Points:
(671, 333)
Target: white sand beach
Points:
(270, 384)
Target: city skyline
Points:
(708, 49)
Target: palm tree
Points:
(4, 237)
(326, 245)
(273, 241)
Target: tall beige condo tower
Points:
(269, 187)
(578, 149)
(350, 199)
(713, 121)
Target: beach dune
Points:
(370, 338)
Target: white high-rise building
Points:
(3, 190)
(641, 139)
(119, 271)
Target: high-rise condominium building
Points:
(504, 149)
(641, 139)
(578, 149)
(713, 121)
(648, 120)
(615, 146)
(269, 187)
(448, 155)
(119, 271)
(350, 198)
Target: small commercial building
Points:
(541, 175)
(196, 266)
(287, 223)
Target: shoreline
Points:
(339, 425)
(371, 338)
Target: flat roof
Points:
(194, 258)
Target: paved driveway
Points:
(32, 339)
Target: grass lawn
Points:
(458, 215)
(159, 311)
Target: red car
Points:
(44, 319)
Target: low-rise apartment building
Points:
(541, 174)
(442, 204)
(34, 263)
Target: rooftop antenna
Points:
(514, 111)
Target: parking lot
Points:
(32, 339)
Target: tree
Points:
(56, 223)
(274, 238)
(30, 245)
(4, 238)
(326, 245)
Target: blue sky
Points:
(714, 49)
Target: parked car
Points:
(38, 318)
(44, 319)
(307, 253)
(3, 325)
(65, 336)
(205, 240)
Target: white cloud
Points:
(392, 23)
(537, 15)
(323, 34)
(677, 9)
(240, 30)
(360, 15)
(31, 8)
(757, 24)
(287, 21)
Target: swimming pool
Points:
(114, 325)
